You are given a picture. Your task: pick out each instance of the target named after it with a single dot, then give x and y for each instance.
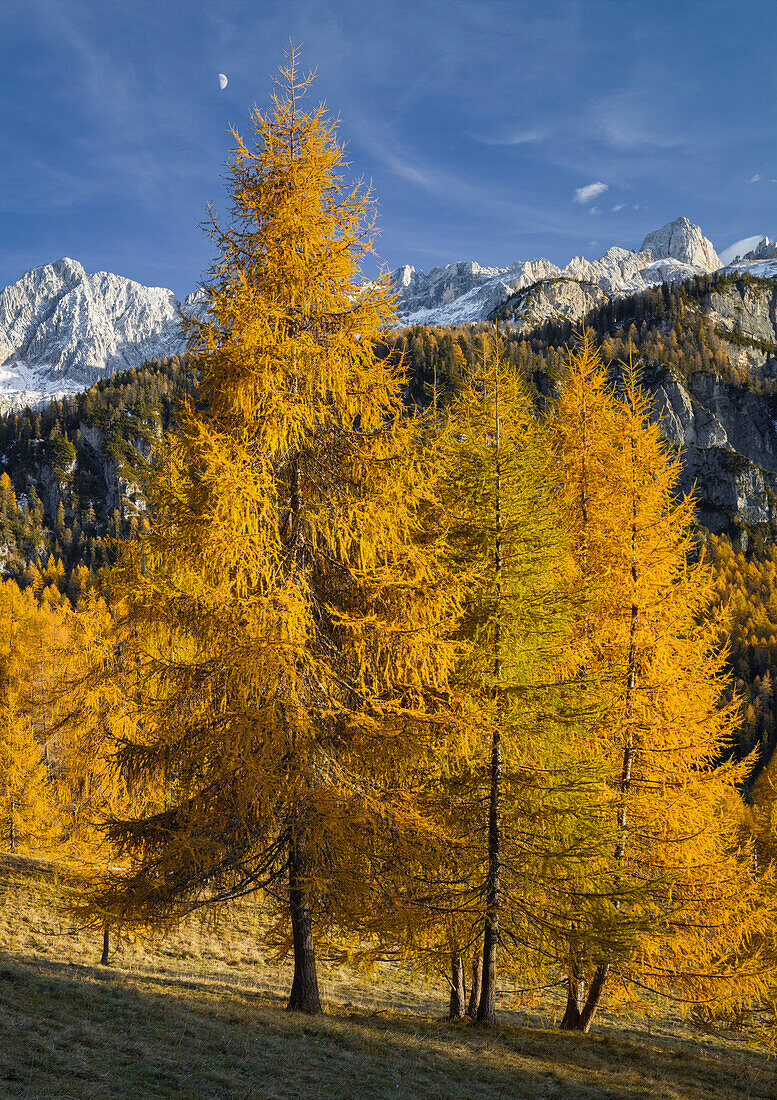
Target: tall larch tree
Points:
(503, 535)
(510, 804)
(91, 705)
(677, 888)
(507, 528)
(284, 618)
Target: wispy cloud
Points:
(618, 206)
(36, 187)
(136, 133)
(511, 137)
(756, 178)
(739, 248)
(591, 191)
(379, 139)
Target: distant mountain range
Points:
(62, 329)
(464, 292)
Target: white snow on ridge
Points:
(760, 269)
(62, 330)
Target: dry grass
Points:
(200, 1015)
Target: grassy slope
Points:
(200, 1015)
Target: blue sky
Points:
(477, 122)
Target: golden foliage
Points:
(283, 623)
(683, 900)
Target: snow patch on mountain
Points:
(761, 269)
(462, 293)
(62, 330)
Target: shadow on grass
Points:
(83, 1032)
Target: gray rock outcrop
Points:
(682, 240)
(61, 330)
(726, 428)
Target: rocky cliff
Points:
(61, 330)
(726, 425)
(709, 349)
(683, 241)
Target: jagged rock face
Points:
(751, 309)
(61, 330)
(750, 313)
(683, 241)
(725, 486)
(764, 250)
(726, 431)
(31, 300)
(464, 292)
(713, 413)
(728, 444)
(117, 490)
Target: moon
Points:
(222, 81)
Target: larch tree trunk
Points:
(304, 995)
(629, 747)
(593, 998)
(575, 982)
(474, 993)
(487, 1006)
(575, 999)
(458, 993)
(106, 944)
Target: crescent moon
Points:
(222, 81)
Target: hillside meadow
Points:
(199, 1013)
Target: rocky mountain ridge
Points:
(62, 329)
(462, 293)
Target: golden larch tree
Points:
(677, 888)
(283, 620)
(27, 805)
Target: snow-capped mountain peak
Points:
(62, 329)
(682, 240)
(460, 293)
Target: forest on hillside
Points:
(71, 471)
(410, 637)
